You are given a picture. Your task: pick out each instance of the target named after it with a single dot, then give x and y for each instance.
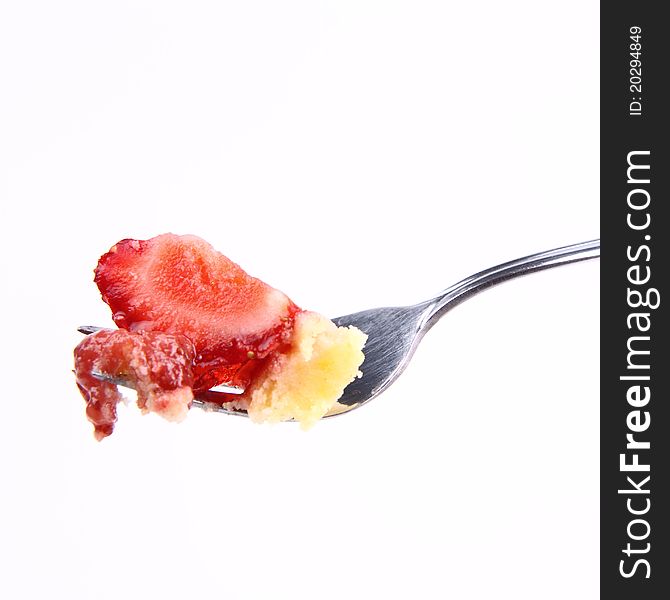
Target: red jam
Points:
(155, 364)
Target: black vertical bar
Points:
(635, 358)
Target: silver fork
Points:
(395, 332)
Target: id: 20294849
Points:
(635, 71)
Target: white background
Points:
(353, 154)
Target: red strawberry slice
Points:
(182, 285)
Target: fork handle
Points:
(478, 282)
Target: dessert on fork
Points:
(189, 320)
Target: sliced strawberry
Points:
(181, 285)
(157, 365)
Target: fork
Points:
(395, 332)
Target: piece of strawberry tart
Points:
(190, 319)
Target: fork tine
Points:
(122, 381)
(210, 401)
(88, 329)
(115, 379)
(226, 389)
